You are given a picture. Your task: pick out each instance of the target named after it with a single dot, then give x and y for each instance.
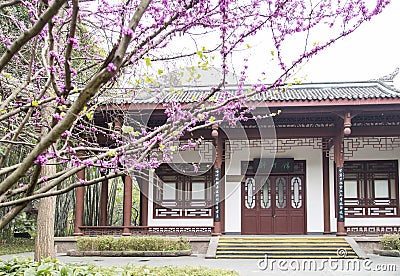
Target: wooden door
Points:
(280, 212)
(273, 205)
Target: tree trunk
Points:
(44, 242)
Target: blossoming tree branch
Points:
(60, 59)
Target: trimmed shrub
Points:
(132, 244)
(391, 242)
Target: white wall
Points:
(232, 207)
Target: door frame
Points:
(304, 187)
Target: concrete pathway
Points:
(375, 265)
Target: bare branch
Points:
(28, 34)
(17, 143)
(9, 3)
(18, 208)
(21, 126)
(84, 97)
(43, 193)
(68, 51)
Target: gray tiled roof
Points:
(301, 92)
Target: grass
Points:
(16, 245)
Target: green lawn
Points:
(16, 245)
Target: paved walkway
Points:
(376, 265)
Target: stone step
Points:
(295, 249)
(286, 248)
(307, 256)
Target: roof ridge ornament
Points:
(390, 77)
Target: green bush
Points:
(391, 242)
(132, 244)
(28, 267)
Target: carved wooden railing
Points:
(147, 230)
(372, 230)
(368, 210)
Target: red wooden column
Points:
(339, 185)
(217, 180)
(103, 202)
(127, 215)
(79, 204)
(344, 129)
(144, 200)
(325, 186)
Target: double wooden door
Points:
(273, 204)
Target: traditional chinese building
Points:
(328, 163)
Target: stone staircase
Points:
(284, 248)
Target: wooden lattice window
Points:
(371, 188)
(296, 192)
(280, 191)
(179, 195)
(250, 193)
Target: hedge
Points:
(391, 241)
(132, 244)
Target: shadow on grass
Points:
(16, 245)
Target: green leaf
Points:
(127, 129)
(148, 61)
(30, 272)
(89, 115)
(64, 271)
(200, 54)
